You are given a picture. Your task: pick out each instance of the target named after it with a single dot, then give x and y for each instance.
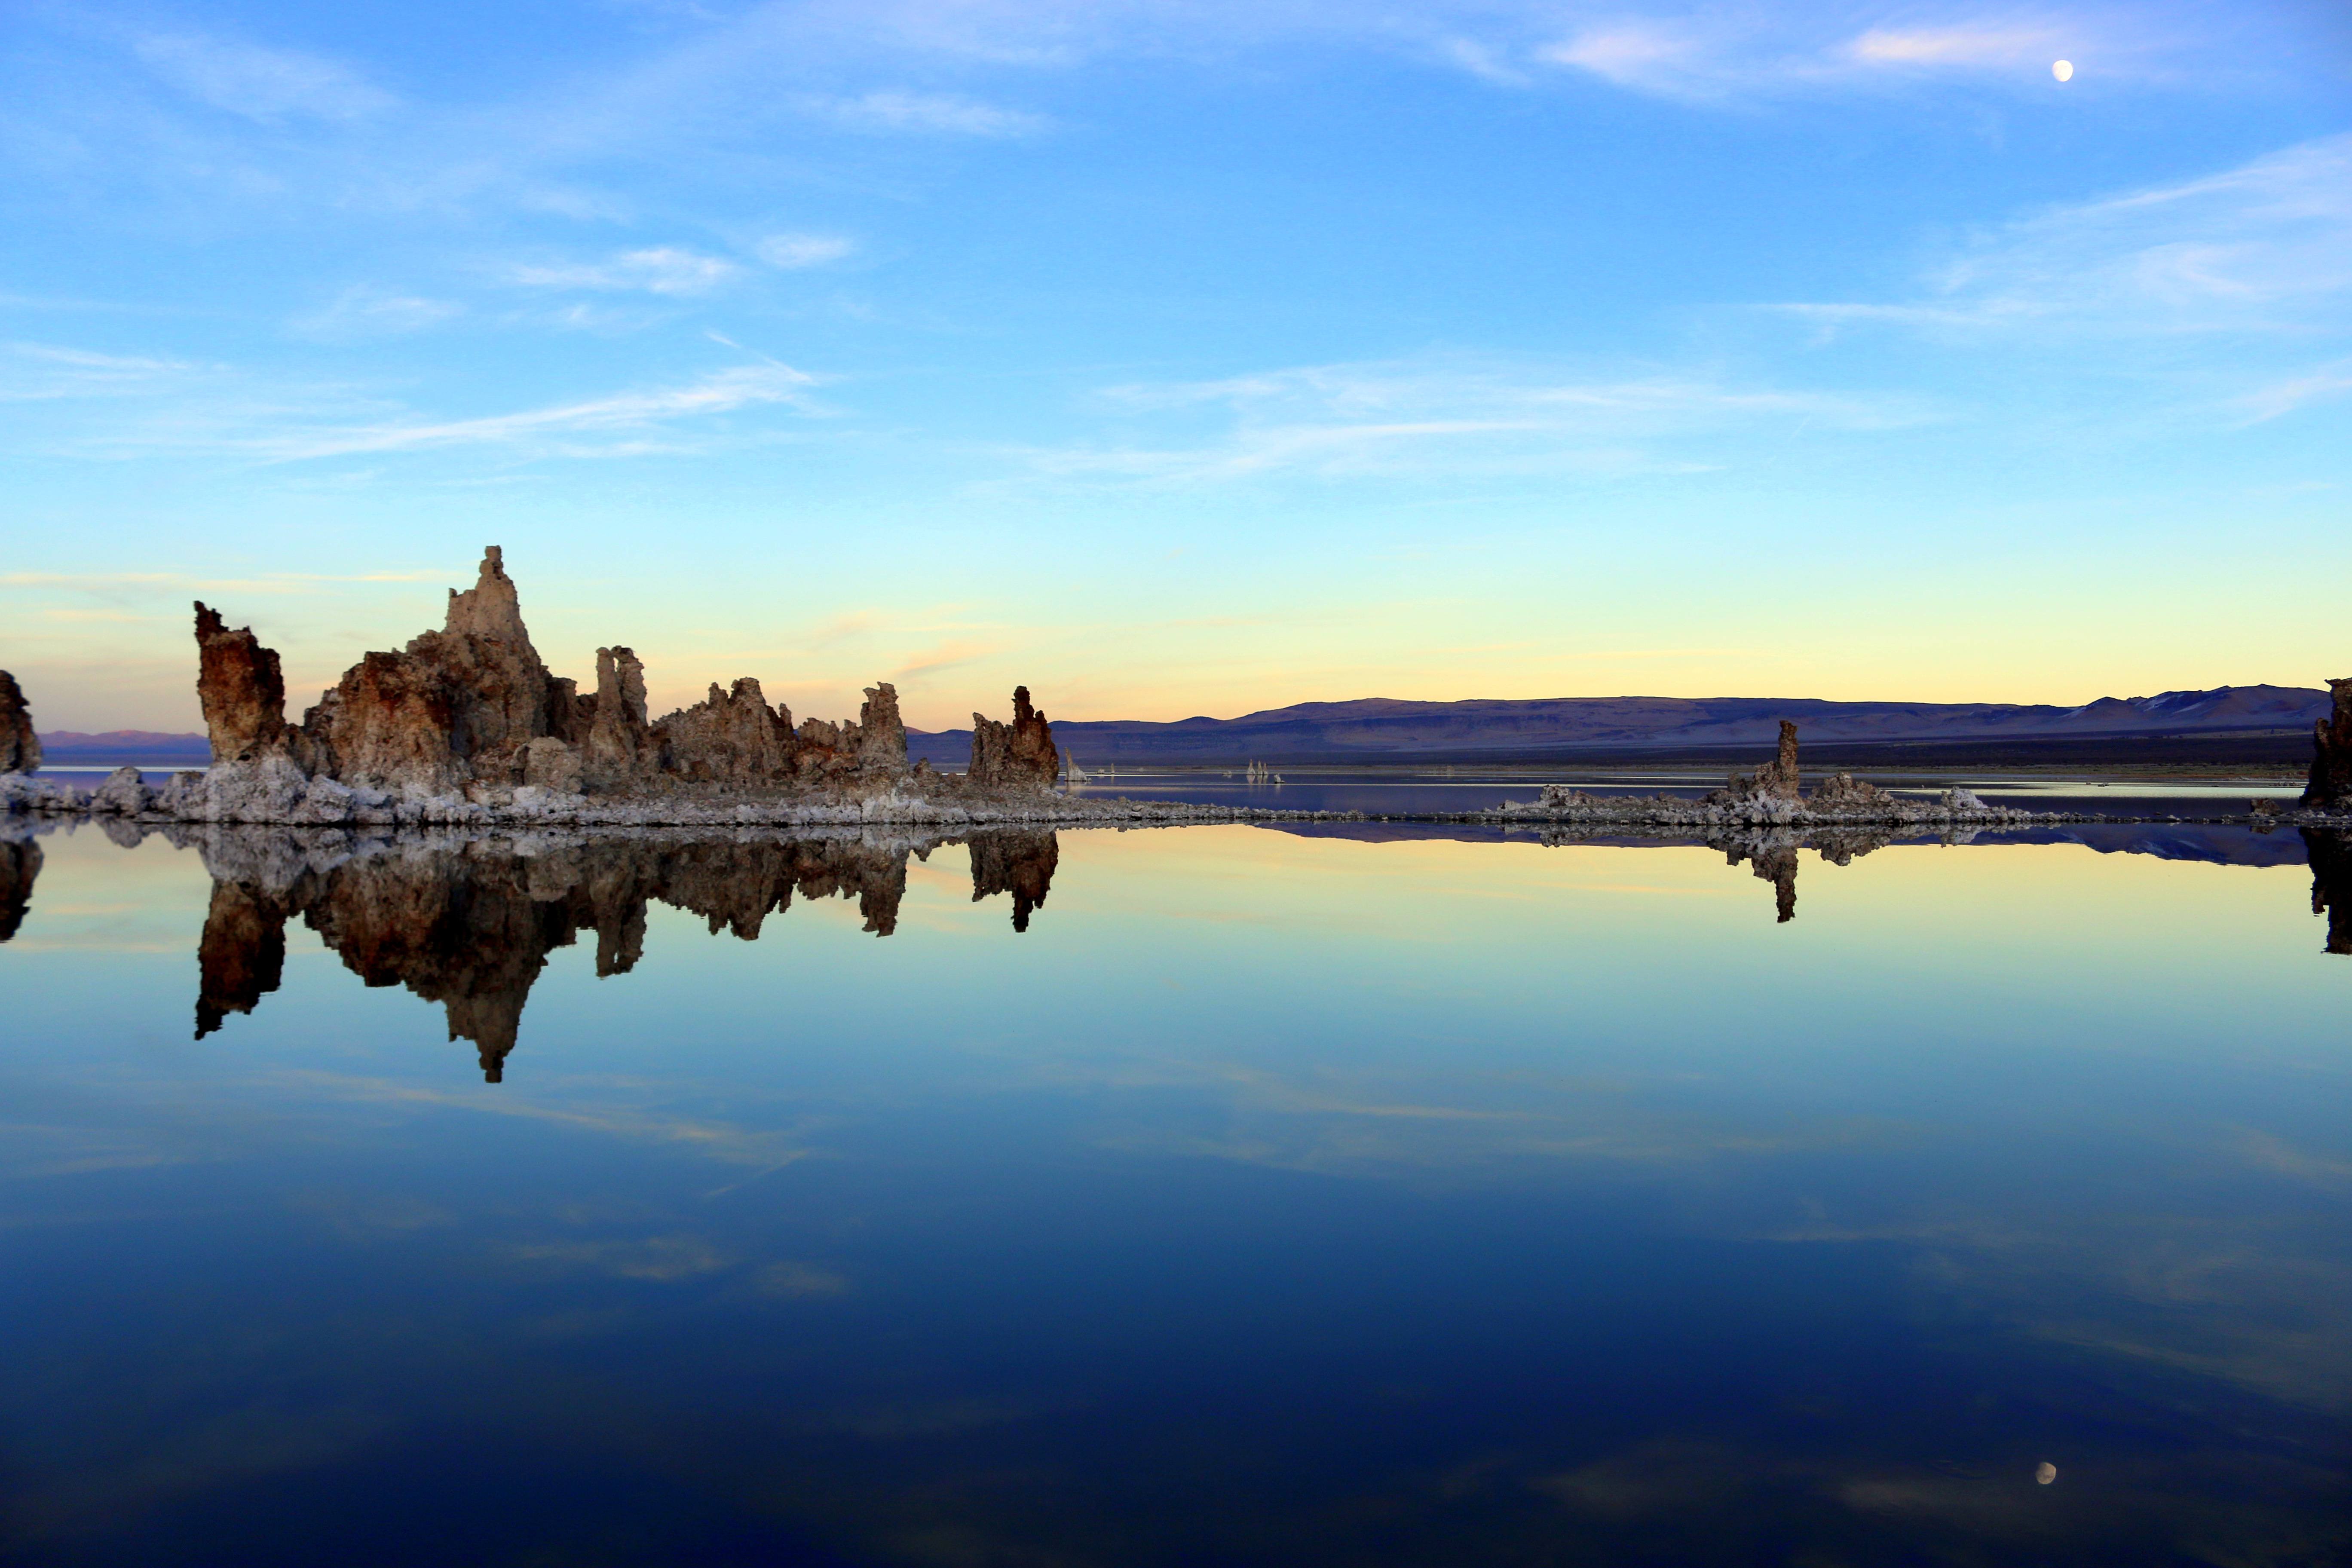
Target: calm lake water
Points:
(1272, 1198)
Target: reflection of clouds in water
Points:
(769, 1147)
(159, 1462)
(33, 1150)
(654, 1257)
(793, 1279)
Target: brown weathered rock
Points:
(387, 724)
(241, 688)
(1021, 864)
(2331, 763)
(1016, 756)
(20, 748)
(455, 705)
(548, 764)
(732, 737)
(19, 865)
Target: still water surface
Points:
(1274, 1197)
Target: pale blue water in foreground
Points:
(1272, 1198)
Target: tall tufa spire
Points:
(491, 608)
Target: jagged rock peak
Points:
(20, 748)
(2331, 763)
(732, 737)
(241, 688)
(491, 608)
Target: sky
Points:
(1183, 358)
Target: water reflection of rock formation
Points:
(469, 925)
(1774, 856)
(19, 864)
(2331, 884)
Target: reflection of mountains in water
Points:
(469, 924)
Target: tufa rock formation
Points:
(1019, 755)
(20, 748)
(242, 690)
(1778, 778)
(456, 706)
(1771, 796)
(2331, 763)
(732, 738)
(471, 712)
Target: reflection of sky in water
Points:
(1274, 1198)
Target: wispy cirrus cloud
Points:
(722, 392)
(935, 113)
(2283, 398)
(363, 311)
(43, 372)
(199, 411)
(794, 251)
(2265, 247)
(1720, 56)
(1449, 415)
(263, 84)
(656, 269)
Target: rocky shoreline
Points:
(232, 793)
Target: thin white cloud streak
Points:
(2286, 397)
(721, 392)
(1720, 56)
(657, 269)
(935, 113)
(361, 312)
(217, 416)
(849, 64)
(262, 84)
(1451, 419)
(45, 371)
(793, 252)
(2263, 248)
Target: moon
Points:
(2046, 1472)
(2064, 70)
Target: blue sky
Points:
(1181, 359)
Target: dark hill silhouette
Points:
(1379, 729)
(1374, 730)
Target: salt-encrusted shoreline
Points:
(266, 795)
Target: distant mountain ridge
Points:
(125, 746)
(1371, 728)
